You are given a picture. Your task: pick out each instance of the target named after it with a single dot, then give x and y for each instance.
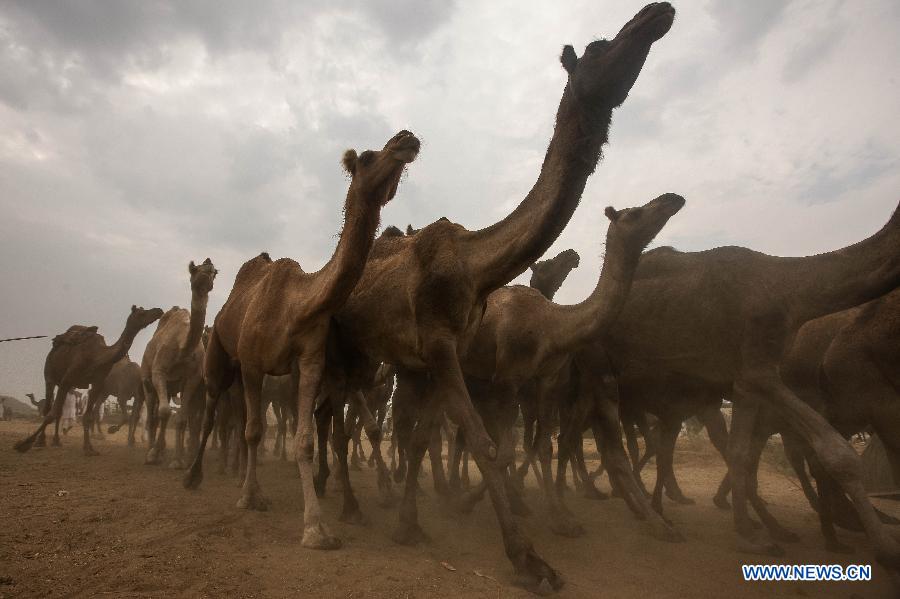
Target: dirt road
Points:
(110, 526)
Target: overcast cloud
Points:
(136, 136)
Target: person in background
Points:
(68, 412)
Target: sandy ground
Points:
(74, 526)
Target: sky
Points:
(136, 136)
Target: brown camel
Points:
(547, 276)
(80, 357)
(173, 362)
(124, 383)
(420, 299)
(524, 337)
(725, 316)
(276, 322)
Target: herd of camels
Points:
(805, 347)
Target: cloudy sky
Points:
(136, 136)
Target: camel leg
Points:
(135, 419)
(53, 411)
(315, 534)
(447, 388)
(323, 416)
(340, 442)
(793, 451)
(163, 413)
(408, 531)
(251, 496)
(94, 395)
(454, 458)
(435, 453)
(219, 376)
(349, 429)
(373, 432)
(669, 429)
(571, 448)
(529, 418)
(608, 433)
(776, 530)
(673, 490)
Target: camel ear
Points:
(349, 161)
(133, 308)
(410, 230)
(192, 268)
(611, 213)
(569, 59)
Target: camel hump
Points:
(75, 335)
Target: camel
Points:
(281, 393)
(724, 317)
(843, 365)
(80, 357)
(124, 383)
(276, 322)
(525, 337)
(173, 362)
(420, 299)
(377, 398)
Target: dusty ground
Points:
(124, 529)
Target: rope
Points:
(21, 338)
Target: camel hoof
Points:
(784, 536)
(354, 517)
(721, 503)
(410, 534)
(536, 576)
(24, 445)
(176, 464)
(682, 500)
(192, 479)
(759, 547)
(253, 501)
(40, 442)
(319, 486)
(838, 547)
(565, 527)
(317, 537)
(668, 533)
(886, 518)
(112, 429)
(90, 452)
(386, 497)
(592, 492)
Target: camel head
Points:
(391, 231)
(607, 70)
(376, 174)
(202, 276)
(141, 318)
(547, 276)
(635, 228)
(410, 230)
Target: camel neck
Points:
(339, 276)
(504, 250)
(198, 319)
(583, 322)
(120, 348)
(826, 283)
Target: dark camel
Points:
(725, 316)
(80, 358)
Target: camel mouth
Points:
(671, 203)
(405, 147)
(655, 20)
